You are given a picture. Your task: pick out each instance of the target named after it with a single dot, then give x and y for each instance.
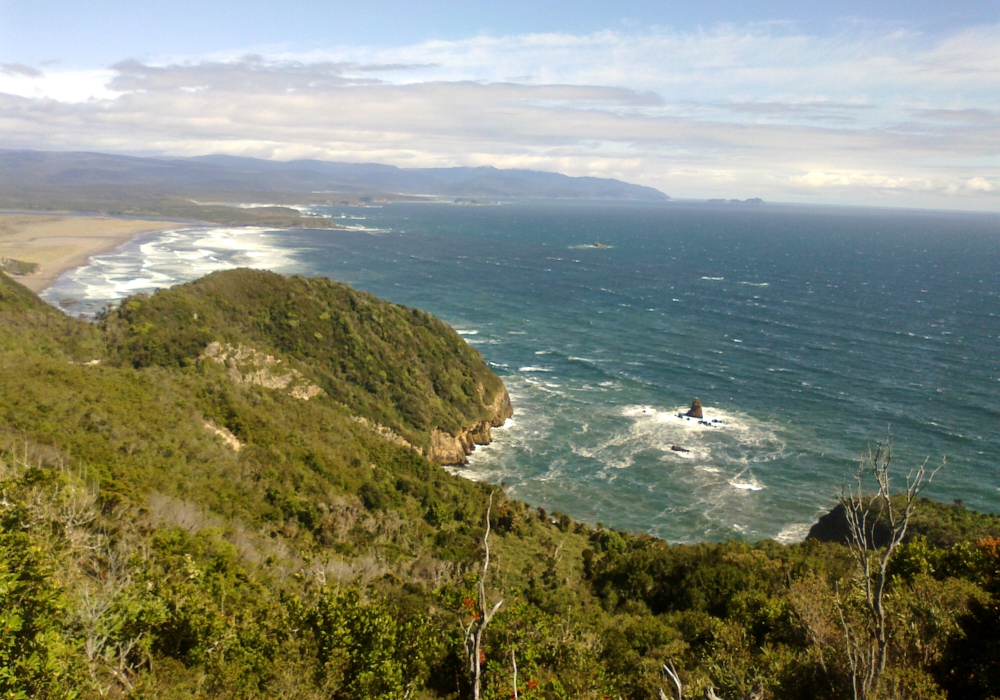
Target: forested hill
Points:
(224, 490)
(398, 367)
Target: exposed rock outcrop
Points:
(227, 437)
(695, 411)
(454, 449)
(247, 365)
(386, 432)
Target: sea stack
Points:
(695, 411)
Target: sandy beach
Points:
(58, 243)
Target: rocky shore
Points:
(454, 450)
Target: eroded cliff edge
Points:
(454, 450)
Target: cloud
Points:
(737, 111)
(970, 116)
(20, 69)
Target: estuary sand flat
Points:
(58, 243)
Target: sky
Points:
(890, 103)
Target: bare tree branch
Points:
(513, 661)
(755, 693)
(866, 643)
(671, 672)
(474, 632)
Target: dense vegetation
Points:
(142, 556)
(397, 366)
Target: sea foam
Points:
(167, 258)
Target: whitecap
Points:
(790, 534)
(747, 484)
(533, 368)
(465, 332)
(714, 279)
(364, 229)
(468, 474)
(167, 258)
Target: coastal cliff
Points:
(454, 450)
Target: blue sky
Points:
(101, 32)
(890, 103)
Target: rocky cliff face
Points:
(249, 366)
(455, 449)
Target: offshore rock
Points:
(696, 411)
(453, 450)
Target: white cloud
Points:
(980, 184)
(751, 111)
(65, 86)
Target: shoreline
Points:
(58, 243)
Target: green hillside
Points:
(215, 492)
(400, 367)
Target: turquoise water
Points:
(806, 332)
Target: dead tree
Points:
(867, 642)
(476, 628)
(756, 692)
(678, 686)
(513, 661)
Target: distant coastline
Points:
(53, 244)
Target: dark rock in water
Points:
(678, 448)
(696, 411)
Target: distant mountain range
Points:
(75, 171)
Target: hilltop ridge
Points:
(30, 178)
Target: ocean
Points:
(805, 332)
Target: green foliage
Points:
(941, 524)
(366, 650)
(36, 658)
(30, 326)
(397, 366)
